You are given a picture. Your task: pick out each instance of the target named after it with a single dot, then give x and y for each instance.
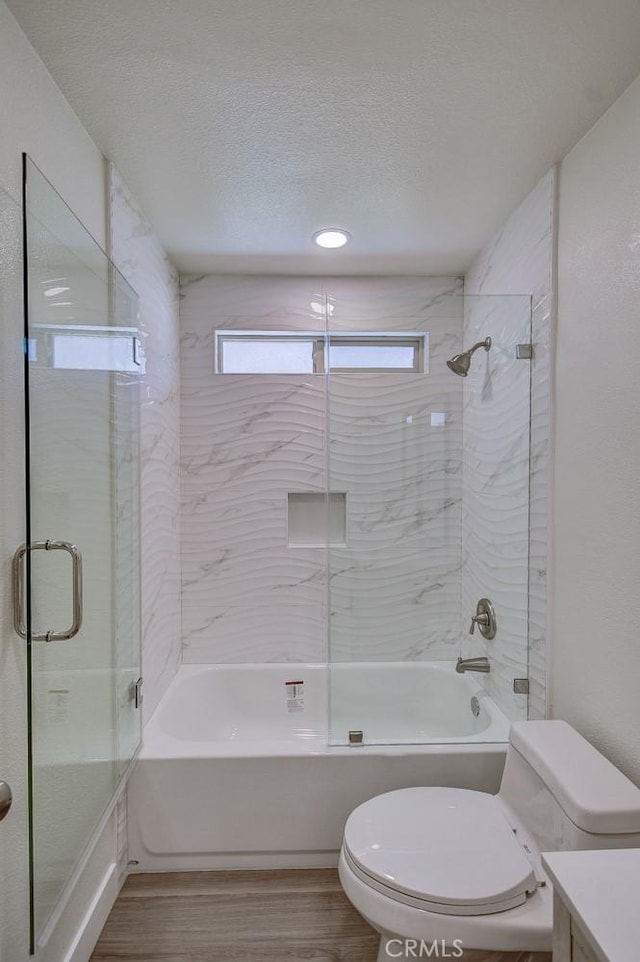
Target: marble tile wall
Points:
(395, 584)
(495, 499)
(249, 440)
(140, 257)
(519, 260)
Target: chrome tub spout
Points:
(472, 664)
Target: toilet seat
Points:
(445, 850)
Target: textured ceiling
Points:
(243, 126)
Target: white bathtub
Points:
(239, 769)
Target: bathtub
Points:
(240, 769)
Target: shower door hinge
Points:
(524, 352)
(521, 686)
(135, 693)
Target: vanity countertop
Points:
(601, 890)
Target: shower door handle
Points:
(18, 590)
(6, 798)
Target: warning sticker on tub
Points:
(295, 695)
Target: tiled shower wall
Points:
(395, 448)
(250, 592)
(138, 254)
(518, 260)
(495, 490)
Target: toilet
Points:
(462, 868)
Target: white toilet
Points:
(463, 867)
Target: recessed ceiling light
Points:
(332, 237)
(319, 308)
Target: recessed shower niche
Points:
(315, 518)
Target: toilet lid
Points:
(447, 849)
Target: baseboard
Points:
(226, 861)
(96, 915)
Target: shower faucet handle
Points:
(485, 619)
(482, 619)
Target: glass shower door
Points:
(81, 569)
(495, 493)
(394, 453)
(433, 471)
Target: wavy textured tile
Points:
(495, 514)
(395, 634)
(394, 604)
(505, 557)
(249, 440)
(387, 303)
(252, 428)
(232, 634)
(402, 474)
(265, 301)
(140, 257)
(257, 573)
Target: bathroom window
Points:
(253, 353)
(87, 348)
(292, 352)
(371, 353)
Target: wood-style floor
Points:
(284, 916)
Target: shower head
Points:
(461, 362)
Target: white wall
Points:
(518, 260)
(35, 117)
(596, 623)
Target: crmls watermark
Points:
(421, 949)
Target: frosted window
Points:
(86, 353)
(377, 357)
(253, 352)
(267, 356)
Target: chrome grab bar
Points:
(18, 590)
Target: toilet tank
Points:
(566, 794)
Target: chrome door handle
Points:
(5, 800)
(18, 590)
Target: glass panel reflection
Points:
(83, 382)
(435, 470)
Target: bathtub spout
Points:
(472, 664)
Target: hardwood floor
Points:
(283, 916)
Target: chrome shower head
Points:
(461, 362)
